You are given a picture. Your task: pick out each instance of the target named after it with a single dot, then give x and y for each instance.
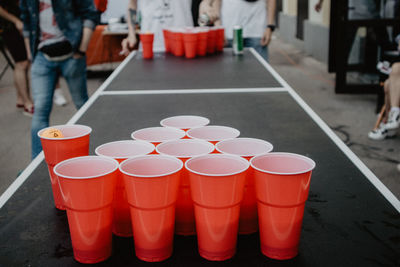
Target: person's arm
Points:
(129, 42)
(91, 17)
(271, 8)
(26, 27)
(318, 6)
(10, 17)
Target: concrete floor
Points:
(350, 116)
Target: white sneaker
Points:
(59, 98)
(393, 120)
(378, 134)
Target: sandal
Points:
(29, 111)
(19, 105)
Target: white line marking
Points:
(195, 91)
(33, 165)
(346, 150)
(20, 179)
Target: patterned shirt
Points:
(49, 31)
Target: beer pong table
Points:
(350, 218)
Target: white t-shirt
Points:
(252, 16)
(157, 14)
(49, 31)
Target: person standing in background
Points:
(154, 16)
(257, 18)
(13, 40)
(57, 34)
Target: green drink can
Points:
(237, 40)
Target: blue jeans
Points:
(255, 43)
(44, 75)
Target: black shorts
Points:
(15, 44)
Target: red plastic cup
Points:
(147, 44)
(157, 135)
(190, 43)
(216, 185)
(246, 148)
(202, 33)
(213, 133)
(177, 42)
(185, 149)
(219, 38)
(211, 40)
(185, 122)
(152, 183)
(120, 151)
(87, 185)
(282, 182)
(75, 143)
(166, 40)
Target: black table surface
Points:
(217, 71)
(347, 222)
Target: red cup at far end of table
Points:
(219, 38)
(166, 36)
(282, 182)
(211, 40)
(176, 41)
(202, 33)
(87, 185)
(147, 44)
(190, 39)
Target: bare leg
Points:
(386, 87)
(395, 86)
(21, 83)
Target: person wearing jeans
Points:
(57, 34)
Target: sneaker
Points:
(393, 120)
(378, 134)
(59, 98)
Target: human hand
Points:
(211, 10)
(266, 38)
(128, 44)
(77, 56)
(318, 6)
(19, 25)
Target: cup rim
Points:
(246, 162)
(88, 158)
(211, 146)
(122, 164)
(163, 121)
(188, 133)
(272, 154)
(88, 131)
(123, 141)
(244, 138)
(181, 132)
